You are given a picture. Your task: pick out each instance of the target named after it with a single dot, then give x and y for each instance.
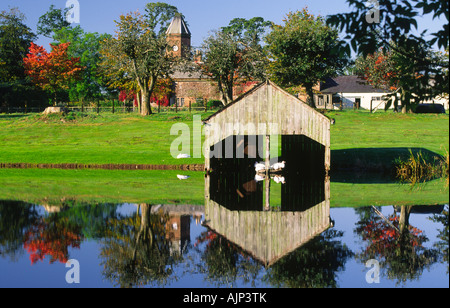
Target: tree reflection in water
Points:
(136, 251)
(313, 265)
(398, 247)
(141, 247)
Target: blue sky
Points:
(201, 15)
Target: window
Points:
(320, 100)
(180, 102)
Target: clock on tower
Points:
(179, 37)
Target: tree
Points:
(422, 72)
(52, 21)
(15, 38)
(86, 46)
(378, 69)
(304, 51)
(249, 32)
(163, 90)
(159, 15)
(390, 70)
(139, 51)
(234, 55)
(52, 71)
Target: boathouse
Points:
(245, 128)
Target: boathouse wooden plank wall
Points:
(268, 110)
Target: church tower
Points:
(179, 37)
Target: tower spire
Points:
(179, 36)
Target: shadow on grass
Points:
(371, 165)
(13, 116)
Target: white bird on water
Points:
(279, 179)
(259, 178)
(183, 156)
(183, 177)
(278, 166)
(260, 167)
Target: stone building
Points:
(192, 87)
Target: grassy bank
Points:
(358, 139)
(90, 139)
(361, 140)
(55, 187)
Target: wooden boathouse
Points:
(269, 111)
(237, 206)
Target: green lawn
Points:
(54, 187)
(361, 129)
(102, 139)
(363, 140)
(358, 139)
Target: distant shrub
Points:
(214, 104)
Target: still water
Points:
(142, 245)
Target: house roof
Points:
(256, 88)
(348, 84)
(180, 74)
(178, 26)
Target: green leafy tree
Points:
(139, 51)
(234, 55)
(159, 15)
(423, 73)
(85, 46)
(15, 38)
(304, 51)
(136, 250)
(52, 21)
(250, 31)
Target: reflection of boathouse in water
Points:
(239, 204)
(303, 213)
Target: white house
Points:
(350, 92)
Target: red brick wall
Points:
(206, 89)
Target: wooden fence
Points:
(91, 109)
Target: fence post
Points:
(113, 105)
(98, 106)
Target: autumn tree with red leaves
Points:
(52, 71)
(378, 69)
